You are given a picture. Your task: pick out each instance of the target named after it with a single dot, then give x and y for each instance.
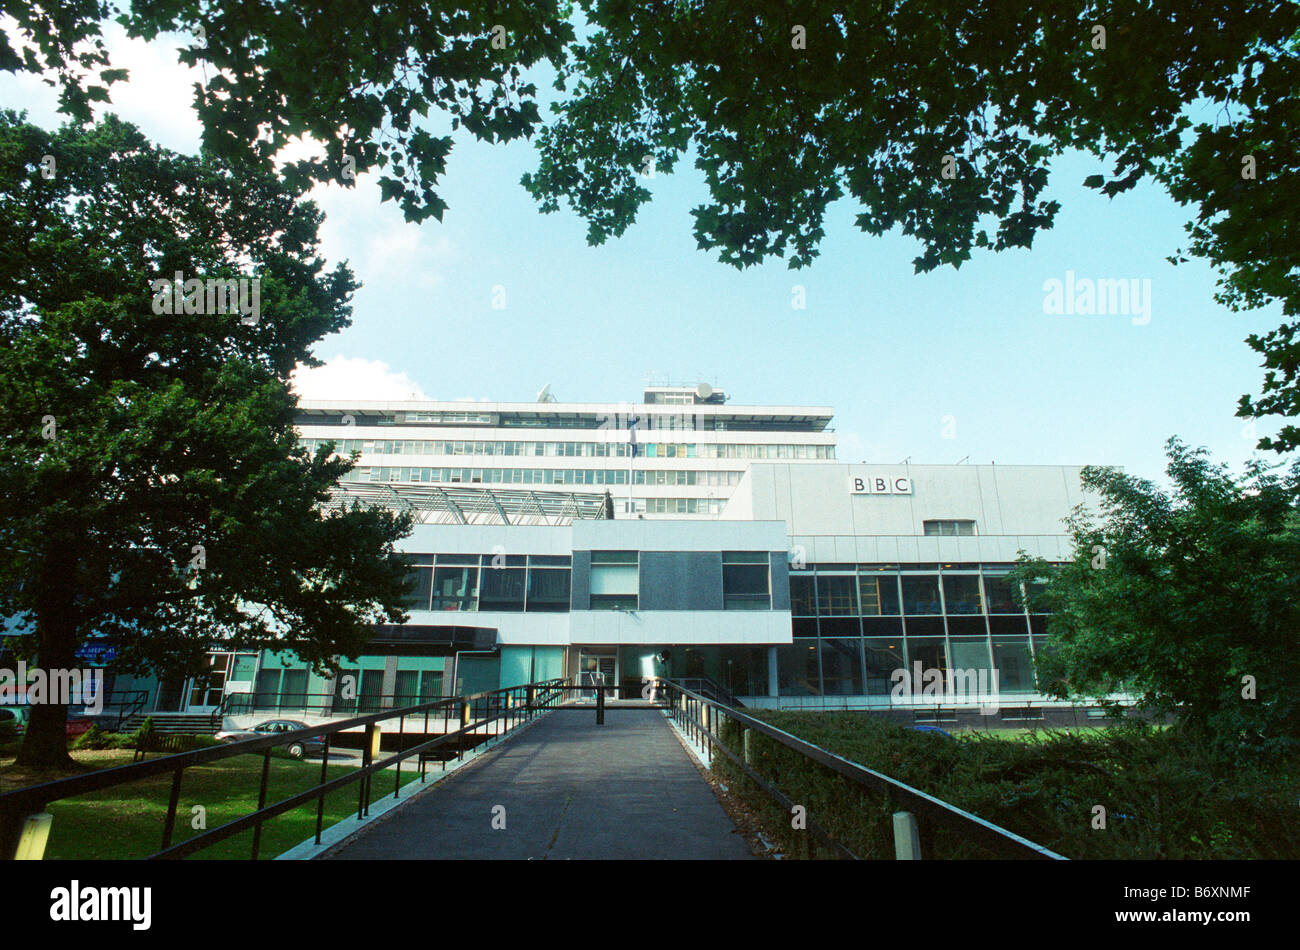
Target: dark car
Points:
(299, 748)
(13, 721)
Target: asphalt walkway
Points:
(565, 788)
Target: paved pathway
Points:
(571, 789)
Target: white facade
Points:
(691, 451)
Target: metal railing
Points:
(916, 815)
(511, 707)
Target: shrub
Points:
(1165, 796)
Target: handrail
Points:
(16, 805)
(926, 807)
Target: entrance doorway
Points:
(597, 666)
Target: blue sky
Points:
(905, 360)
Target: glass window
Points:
(930, 652)
(803, 627)
(879, 595)
(548, 589)
(406, 688)
(455, 588)
(1008, 625)
(972, 654)
(615, 580)
(949, 528)
(430, 685)
(837, 595)
(1014, 665)
(241, 670)
(961, 594)
(920, 594)
(797, 670)
(502, 588)
(293, 688)
(745, 583)
(420, 586)
(841, 667)
(997, 591)
(803, 600)
(883, 657)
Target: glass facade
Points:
(855, 624)
(614, 449)
(471, 582)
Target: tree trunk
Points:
(46, 743)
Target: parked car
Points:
(933, 729)
(299, 748)
(14, 718)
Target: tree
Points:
(1189, 599)
(942, 119)
(357, 77)
(155, 493)
(937, 119)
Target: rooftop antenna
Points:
(963, 461)
(906, 461)
(545, 395)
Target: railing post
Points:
(464, 724)
(33, 835)
(401, 733)
(261, 801)
(367, 757)
(170, 824)
(746, 747)
(907, 837)
(324, 776)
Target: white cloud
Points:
(354, 378)
(381, 245)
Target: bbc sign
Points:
(880, 485)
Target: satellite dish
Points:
(704, 390)
(545, 395)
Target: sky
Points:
(944, 367)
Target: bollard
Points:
(600, 706)
(907, 837)
(33, 837)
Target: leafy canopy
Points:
(787, 108)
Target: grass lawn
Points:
(126, 822)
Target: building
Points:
(682, 536)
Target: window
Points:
(949, 529)
(879, 595)
(455, 588)
(961, 594)
(615, 580)
(548, 587)
(420, 579)
(1014, 665)
(502, 583)
(803, 600)
(920, 595)
(837, 595)
(998, 593)
(745, 581)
